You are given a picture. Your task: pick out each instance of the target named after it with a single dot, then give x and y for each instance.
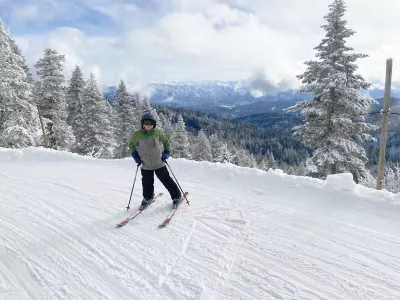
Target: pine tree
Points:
(335, 119)
(271, 160)
(74, 99)
(21, 62)
(142, 106)
(242, 158)
(227, 157)
(126, 120)
(146, 105)
(160, 124)
(235, 156)
(252, 163)
(138, 110)
(98, 140)
(180, 141)
(263, 165)
(216, 148)
(113, 127)
(391, 180)
(166, 125)
(51, 100)
(301, 169)
(202, 148)
(19, 123)
(76, 110)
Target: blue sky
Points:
(30, 17)
(145, 41)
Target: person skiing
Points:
(150, 147)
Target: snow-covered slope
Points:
(247, 234)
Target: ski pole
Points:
(177, 182)
(127, 208)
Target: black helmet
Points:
(148, 116)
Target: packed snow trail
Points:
(247, 234)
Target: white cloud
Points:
(227, 39)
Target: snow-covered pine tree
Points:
(74, 100)
(241, 158)
(146, 108)
(271, 160)
(235, 156)
(216, 148)
(180, 141)
(335, 119)
(51, 100)
(267, 162)
(142, 106)
(22, 63)
(99, 139)
(301, 170)
(126, 120)
(227, 157)
(263, 165)
(166, 125)
(138, 110)
(391, 179)
(192, 143)
(252, 163)
(201, 148)
(19, 122)
(146, 105)
(112, 117)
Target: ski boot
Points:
(176, 202)
(146, 202)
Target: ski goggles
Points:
(148, 123)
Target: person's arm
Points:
(165, 141)
(132, 142)
(132, 148)
(166, 153)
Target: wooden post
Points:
(43, 131)
(385, 119)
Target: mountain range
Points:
(229, 98)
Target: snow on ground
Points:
(247, 234)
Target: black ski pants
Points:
(166, 180)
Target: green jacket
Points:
(149, 145)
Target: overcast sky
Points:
(142, 41)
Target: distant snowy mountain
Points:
(208, 94)
(228, 97)
(214, 96)
(211, 93)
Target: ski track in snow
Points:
(58, 239)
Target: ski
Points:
(172, 213)
(139, 211)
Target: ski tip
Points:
(119, 225)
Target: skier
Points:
(149, 148)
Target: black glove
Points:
(136, 157)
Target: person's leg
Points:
(168, 182)
(148, 183)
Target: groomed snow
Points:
(247, 234)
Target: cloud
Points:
(260, 84)
(264, 43)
